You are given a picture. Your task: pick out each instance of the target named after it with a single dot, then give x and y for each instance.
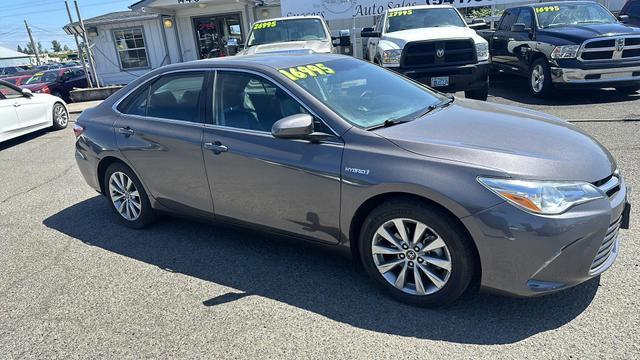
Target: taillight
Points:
(78, 129)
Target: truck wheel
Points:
(416, 253)
(540, 84)
(478, 94)
(628, 90)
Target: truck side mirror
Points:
(623, 18)
(369, 32)
(519, 28)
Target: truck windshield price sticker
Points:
(304, 71)
(400, 13)
(547, 8)
(265, 25)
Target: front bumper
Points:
(523, 254)
(461, 78)
(598, 77)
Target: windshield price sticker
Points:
(304, 71)
(265, 25)
(547, 8)
(400, 13)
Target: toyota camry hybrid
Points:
(434, 194)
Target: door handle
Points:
(126, 131)
(216, 147)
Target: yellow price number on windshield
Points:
(547, 9)
(265, 25)
(305, 71)
(400, 13)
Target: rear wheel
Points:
(60, 116)
(127, 196)
(540, 84)
(628, 90)
(418, 254)
(479, 94)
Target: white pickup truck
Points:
(308, 34)
(434, 45)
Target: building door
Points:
(218, 35)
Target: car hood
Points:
(518, 142)
(36, 86)
(401, 38)
(312, 46)
(580, 33)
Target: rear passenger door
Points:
(290, 185)
(160, 134)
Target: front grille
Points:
(611, 48)
(607, 248)
(425, 53)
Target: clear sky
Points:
(46, 18)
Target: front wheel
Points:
(540, 84)
(60, 116)
(127, 196)
(478, 94)
(418, 254)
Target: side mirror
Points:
(27, 93)
(297, 126)
(623, 18)
(369, 32)
(518, 28)
(477, 24)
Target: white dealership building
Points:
(154, 33)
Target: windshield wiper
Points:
(430, 108)
(388, 123)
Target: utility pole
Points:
(33, 44)
(80, 52)
(86, 44)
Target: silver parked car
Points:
(432, 193)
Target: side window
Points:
(634, 10)
(9, 93)
(136, 103)
(508, 19)
(248, 101)
(176, 96)
(524, 17)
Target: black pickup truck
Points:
(575, 44)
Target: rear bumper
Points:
(525, 255)
(597, 78)
(465, 77)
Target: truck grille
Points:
(438, 53)
(607, 248)
(611, 48)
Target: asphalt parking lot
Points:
(73, 283)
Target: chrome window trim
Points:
(583, 48)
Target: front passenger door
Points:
(9, 123)
(289, 185)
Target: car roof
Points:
(315, 17)
(554, 3)
(261, 61)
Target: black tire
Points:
(146, 213)
(546, 89)
(479, 94)
(628, 90)
(60, 116)
(463, 258)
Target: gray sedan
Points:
(434, 195)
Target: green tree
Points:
(20, 49)
(55, 45)
(65, 48)
(40, 48)
(29, 49)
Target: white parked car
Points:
(23, 112)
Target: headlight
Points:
(482, 51)
(391, 57)
(565, 52)
(543, 197)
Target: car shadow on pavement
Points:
(313, 279)
(22, 139)
(515, 89)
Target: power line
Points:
(61, 9)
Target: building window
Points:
(131, 48)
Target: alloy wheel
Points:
(125, 196)
(60, 115)
(411, 256)
(537, 78)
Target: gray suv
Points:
(434, 195)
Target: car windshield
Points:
(422, 18)
(274, 31)
(43, 77)
(572, 14)
(364, 94)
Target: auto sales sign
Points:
(347, 9)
